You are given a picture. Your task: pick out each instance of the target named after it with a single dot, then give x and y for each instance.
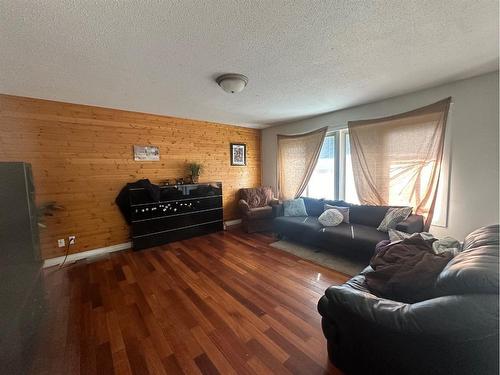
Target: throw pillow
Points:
(294, 207)
(331, 218)
(393, 217)
(343, 210)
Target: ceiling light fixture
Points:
(232, 83)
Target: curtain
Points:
(397, 160)
(297, 157)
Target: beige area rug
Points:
(325, 258)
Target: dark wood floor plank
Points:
(212, 352)
(205, 365)
(104, 359)
(226, 303)
(172, 366)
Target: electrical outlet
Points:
(61, 242)
(71, 240)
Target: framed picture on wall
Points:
(146, 153)
(238, 154)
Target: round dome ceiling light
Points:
(232, 83)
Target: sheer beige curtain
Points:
(297, 157)
(397, 160)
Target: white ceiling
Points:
(302, 58)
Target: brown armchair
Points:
(256, 209)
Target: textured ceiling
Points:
(302, 58)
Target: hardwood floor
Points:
(225, 303)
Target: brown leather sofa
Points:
(256, 208)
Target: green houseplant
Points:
(194, 169)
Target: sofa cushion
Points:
(367, 215)
(352, 236)
(314, 207)
(339, 236)
(260, 213)
(304, 228)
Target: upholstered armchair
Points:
(256, 208)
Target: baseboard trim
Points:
(86, 254)
(229, 223)
(104, 250)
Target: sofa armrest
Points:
(274, 202)
(278, 210)
(413, 224)
(243, 206)
(461, 317)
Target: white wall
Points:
(474, 131)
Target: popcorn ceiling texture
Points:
(302, 57)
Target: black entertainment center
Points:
(183, 211)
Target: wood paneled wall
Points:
(82, 156)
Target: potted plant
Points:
(194, 169)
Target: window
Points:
(333, 176)
(322, 182)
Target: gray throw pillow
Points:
(393, 217)
(343, 210)
(294, 207)
(331, 218)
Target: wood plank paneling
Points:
(181, 309)
(82, 156)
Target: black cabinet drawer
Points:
(155, 210)
(174, 222)
(140, 243)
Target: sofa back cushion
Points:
(338, 203)
(484, 236)
(367, 215)
(314, 207)
(475, 269)
(257, 197)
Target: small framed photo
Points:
(238, 154)
(146, 153)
